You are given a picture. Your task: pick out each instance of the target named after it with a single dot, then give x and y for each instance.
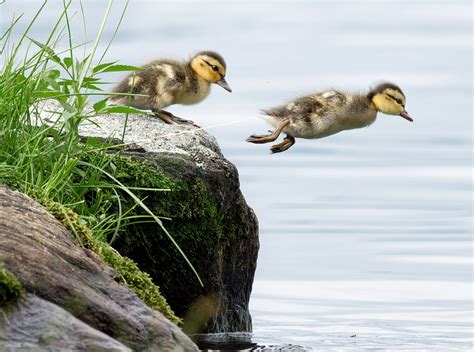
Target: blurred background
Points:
(367, 232)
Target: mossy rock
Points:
(74, 281)
(212, 224)
(137, 280)
(10, 287)
(210, 219)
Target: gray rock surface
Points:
(78, 286)
(145, 131)
(35, 324)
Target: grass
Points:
(51, 163)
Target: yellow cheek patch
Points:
(203, 67)
(386, 105)
(216, 76)
(220, 70)
(210, 61)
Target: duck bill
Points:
(405, 115)
(223, 83)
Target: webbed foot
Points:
(288, 141)
(258, 139)
(173, 119)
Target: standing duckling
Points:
(323, 114)
(166, 82)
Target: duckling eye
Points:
(214, 67)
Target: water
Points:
(366, 235)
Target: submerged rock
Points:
(207, 216)
(71, 298)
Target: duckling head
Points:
(211, 67)
(389, 99)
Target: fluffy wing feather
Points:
(307, 107)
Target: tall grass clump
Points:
(50, 162)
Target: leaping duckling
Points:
(323, 114)
(167, 82)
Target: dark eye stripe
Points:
(214, 67)
(396, 99)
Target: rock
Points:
(212, 224)
(68, 286)
(210, 219)
(36, 324)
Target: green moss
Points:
(198, 225)
(187, 200)
(139, 281)
(130, 275)
(10, 287)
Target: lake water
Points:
(366, 235)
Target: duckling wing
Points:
(138, 82)
(160, 80)
(308, 107)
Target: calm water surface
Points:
(366, 235)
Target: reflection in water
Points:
(202, 309)
(364, 233)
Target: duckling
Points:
(167, 82)
(325, 113)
